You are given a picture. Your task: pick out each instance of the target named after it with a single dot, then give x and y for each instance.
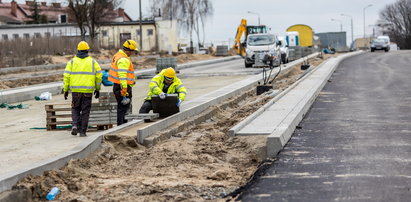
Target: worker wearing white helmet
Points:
(166, 82)
(82, 77)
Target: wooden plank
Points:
(59, 116)
(58, 110)
(59, 122)
(102, 115)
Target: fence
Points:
(35, 51)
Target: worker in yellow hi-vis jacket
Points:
(166, 82)
(122, 75)
(82, 77)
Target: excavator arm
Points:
(242, 29)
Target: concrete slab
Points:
(283, 116)
(28, 93)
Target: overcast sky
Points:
(280, 14)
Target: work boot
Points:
(83, 135)
(74, 130)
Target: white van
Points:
(381, 43)
(283, 49)
(260, 45)
(386, 38)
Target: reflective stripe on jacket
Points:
(122, 70)
(157, 83)
(82, 75)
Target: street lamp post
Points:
(257, 15)
(141, 28)
(352, 27)
(339, 22)
(365, 45)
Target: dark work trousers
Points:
(80, 110)
(146, 107)
(121, 109)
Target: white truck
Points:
(262, 49)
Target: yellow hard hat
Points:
(170, 73)
(130, 44)
(83, 46)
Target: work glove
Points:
(162, 95)
(65, 95)
(124, 92)
(97, 94)
(178, 103)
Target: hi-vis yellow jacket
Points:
(82, 75)
(157, 83)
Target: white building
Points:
(10, 32)
(157, 35)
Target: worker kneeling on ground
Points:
(166, 82)
(122, 75)
(82, 76)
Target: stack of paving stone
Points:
(162, 63)
(222, 50)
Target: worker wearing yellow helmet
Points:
(166, 82)
(82, 77)
(122, 75)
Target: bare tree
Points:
(91, 14)
(398, 16)
(189, 13)
(78, 8)
(100, 11)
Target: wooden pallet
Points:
(102, 115)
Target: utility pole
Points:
(141, 27)
(352, 27)
(341, 29)
(365, 42)
(257, 15)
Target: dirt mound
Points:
(30, 81)
(184, 58)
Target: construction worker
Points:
(166, 82)
(122, 75)
(82, 76)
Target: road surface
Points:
(355, 142)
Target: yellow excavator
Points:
(244, 29)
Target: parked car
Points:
(283, 49)
(260, 47)
(381, 43)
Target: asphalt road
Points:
(228, 68)
(355, 142)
